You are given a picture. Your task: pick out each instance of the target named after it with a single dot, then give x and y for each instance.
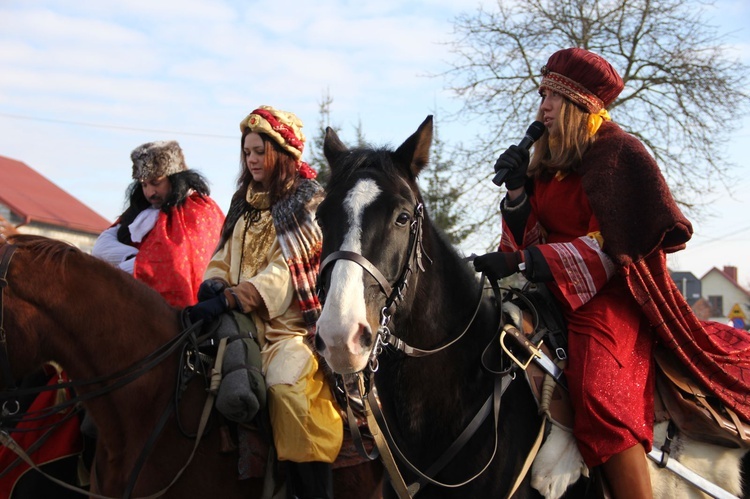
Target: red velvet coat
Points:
(640, 222)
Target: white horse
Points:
(559, 463)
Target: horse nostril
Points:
(320, 345)
(365, 336)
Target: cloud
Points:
(189, 70)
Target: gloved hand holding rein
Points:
(500, 264)
(210, 288)
(208, 310)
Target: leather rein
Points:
(6, 254)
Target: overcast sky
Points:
(84, 82)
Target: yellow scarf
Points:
(595, 120)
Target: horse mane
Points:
(53, 251)
(361, 158)
(59, 256)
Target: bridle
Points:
(376, 420)
(394, 293)
(6, 254)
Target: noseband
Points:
(394, 293)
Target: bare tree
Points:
(681, 81)
(441, 191)
(317, 159)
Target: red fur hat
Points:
(584, 77)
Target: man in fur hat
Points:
(169, 230)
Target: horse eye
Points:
(317, 221)
(403, 219)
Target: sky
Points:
(83, 82)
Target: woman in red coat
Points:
(590, 214)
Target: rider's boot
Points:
(312, 480)
(627, 474)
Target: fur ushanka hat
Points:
(157, 159)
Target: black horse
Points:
(388, 274)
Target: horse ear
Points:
(415, 151)
(333, 148)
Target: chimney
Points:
(731, 271)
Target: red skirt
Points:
(610, 374)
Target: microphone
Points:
(533, 133)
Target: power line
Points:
(719, 238)
(116, 127)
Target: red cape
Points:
(718, 355)
(175, 253)
(640, 222)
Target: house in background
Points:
(717, 296)
(6, 228)
(689, 286)
(728, 300)
(31, 204)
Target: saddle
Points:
(693, 409)
(690, 406)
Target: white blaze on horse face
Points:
(344, 317)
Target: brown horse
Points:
(63, 305)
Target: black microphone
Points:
(533, 133)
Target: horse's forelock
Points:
(363, 158)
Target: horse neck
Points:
(445, 295)
(99, 335)
(106, 326)
(443, 300)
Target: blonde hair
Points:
(562, 147)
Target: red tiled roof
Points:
(30, 195)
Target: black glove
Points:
(515, 159)
(498, 264)
(537, 268)
(208, 309)
(210, 288)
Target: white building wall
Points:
(716, 284)
(82, 240)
